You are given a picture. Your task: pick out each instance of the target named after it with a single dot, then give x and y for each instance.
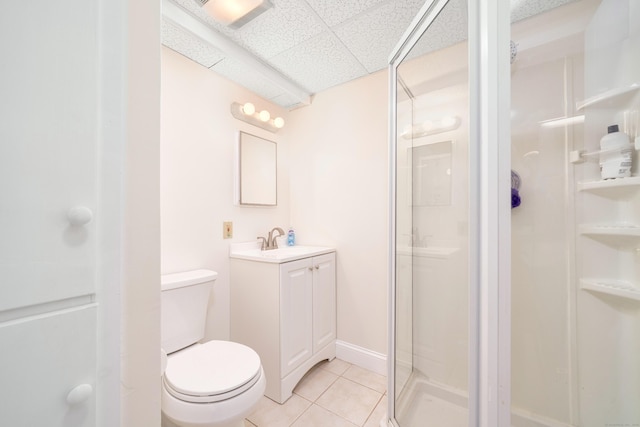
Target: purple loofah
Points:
(515, 198)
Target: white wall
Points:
(198, 134)
(336, 154)
(339, 197)
(140, 382)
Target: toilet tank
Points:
(184, 301)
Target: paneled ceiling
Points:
(302, 47)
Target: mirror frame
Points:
(257, 177)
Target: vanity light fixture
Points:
(432, 127)
(234, 13)
(248, 114)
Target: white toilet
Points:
(215, 384)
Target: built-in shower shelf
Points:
(617, 183)
(614, 230)
(619, 288)
(595, 155)
(615, 97)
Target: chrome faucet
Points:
(271, 240)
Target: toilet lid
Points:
(213, 371)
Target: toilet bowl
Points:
(213, 384)
(216, 384)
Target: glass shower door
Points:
(432, 216)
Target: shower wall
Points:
(542, 236)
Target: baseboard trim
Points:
(362, 357)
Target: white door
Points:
(296, 293)
(49, 152)
(324, 300)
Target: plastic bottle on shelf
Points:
(616, 154)
(291, 237)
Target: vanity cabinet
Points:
(286, 312)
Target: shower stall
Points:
(515, 267)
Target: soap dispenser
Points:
(291, 237)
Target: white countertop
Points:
(251, 251)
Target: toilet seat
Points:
(211, 372)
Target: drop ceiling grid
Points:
(372, 36)
(319, 63)
(336, 12)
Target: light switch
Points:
(227, 230)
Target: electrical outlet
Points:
(227, 230)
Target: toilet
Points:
(212, 384)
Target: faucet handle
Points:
(263, 246)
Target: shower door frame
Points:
(489, 383)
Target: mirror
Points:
(431, 169)
(257, 171)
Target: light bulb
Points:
(264, 115)
(248, 109)
(278, 122)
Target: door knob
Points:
(79, 394)
(79, 216)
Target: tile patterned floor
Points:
(332, 394)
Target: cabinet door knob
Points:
(79, 215)
(317, 267)
(79, 394)
(310, 268)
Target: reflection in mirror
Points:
(257, 171)
(431, 171)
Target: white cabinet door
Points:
(44, 359)
(49, 164)
(296, 294)
(324, 300)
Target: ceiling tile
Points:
(372, 36)
(189, 45)
(289, 23)
(335, 12)
(319, 63)
(449, 28)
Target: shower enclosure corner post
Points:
(489, 38)
(391, 249)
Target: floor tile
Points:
(336, 366)
(316, 382)
(350, 400)
(271, 414)
(378, 413)
(366, 378)
(316, 416)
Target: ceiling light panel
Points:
(234, 13)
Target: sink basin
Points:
(285, 254)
